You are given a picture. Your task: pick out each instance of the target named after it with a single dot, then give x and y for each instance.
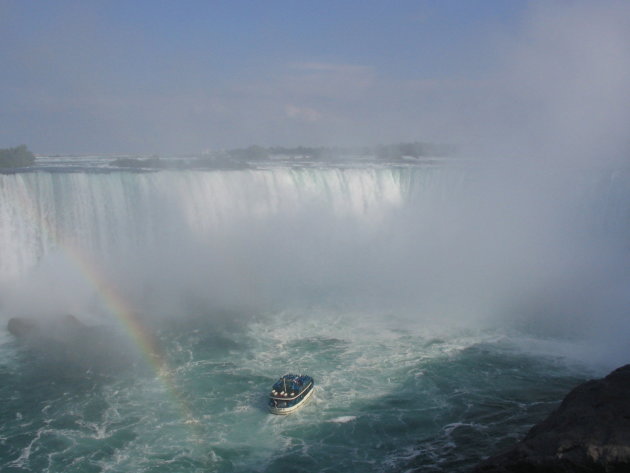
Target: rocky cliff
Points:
(589, 432)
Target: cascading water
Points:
(113, 212)
(441, 309)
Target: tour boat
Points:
(290, 393)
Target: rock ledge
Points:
(589, 432)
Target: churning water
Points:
(441, 309)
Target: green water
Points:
(388, 398)
(442, 311)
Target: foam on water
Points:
(386, 398)
(440, 314)
(343, 419)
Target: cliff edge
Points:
(589, 432)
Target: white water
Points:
(446, 245)
(441, 310)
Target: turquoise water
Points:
(387, 399)
(442, 311)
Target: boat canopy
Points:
(290, 386)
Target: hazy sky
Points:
(164, 76)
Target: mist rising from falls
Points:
(227, 236)
(453, 245)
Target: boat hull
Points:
(291, 409)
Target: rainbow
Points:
(141, 335)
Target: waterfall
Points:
(119, 212)
(446, 243)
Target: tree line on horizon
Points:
(239, 158)
(17, 157)
(394, 151)
(21, 156)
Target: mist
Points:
(542, 80)
(526, 231)
(560, 96)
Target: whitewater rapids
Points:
(442, 309)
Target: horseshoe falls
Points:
(442, 310)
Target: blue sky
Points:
(165, 76)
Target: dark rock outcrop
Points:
(69, 345)
(589, 432)
(21, 327)
(61, 328)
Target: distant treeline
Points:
(17, 157)
(387, 152)
(206, 162)
(239, 158)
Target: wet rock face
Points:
(60, 328)
(589, 432)
(65, 343)
(21, 327)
